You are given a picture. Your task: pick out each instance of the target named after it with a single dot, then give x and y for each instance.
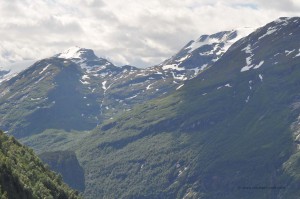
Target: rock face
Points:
(66, 164)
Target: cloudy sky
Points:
(136, 32)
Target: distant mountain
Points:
(76, 90)
(12, 69)
(88, 60)
(215, 120)
(200, 54)
(23, 175)
(231, 132)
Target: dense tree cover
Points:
(66, 164)
(23, 175)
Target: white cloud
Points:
(133, 32)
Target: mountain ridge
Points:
(207, 139)
(102, 89)
(164, 133)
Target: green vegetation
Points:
(52, 140)
(206, 140)
(23, 175)
(225, 134)
(66, 164)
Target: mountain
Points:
(76, 91)
(12, 69)
(23, 175)
(49, 94)
(207, 49)
(165, 132)
(231, 132)
(87, 59)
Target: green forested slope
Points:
(23, 175)
(226, 134)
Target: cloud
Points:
(140, 33)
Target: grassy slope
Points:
(200, 146)
(207, 146)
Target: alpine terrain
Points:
(76, 90)
(219, 119)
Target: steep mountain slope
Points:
(47, 95)
(231, 132)
(207, 49)
(23, 175)
(12, 69)
(66, 163)
(76, 90)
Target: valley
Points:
(219, 119)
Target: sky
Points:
(135, 32)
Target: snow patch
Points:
(203, 67)
(183, 58)
(270, 31)
(288, 52)
(35, 99)
(85, 77)
(104, 85)
(250, 86)
(73, 52)
(172, 66)
(149, 86)
(246, 68)
(247, 100)
(44, 69)
(197, 44)
(258, 65)
(39, 80)
(129, 98)
(260, 77)
(179, 86)
(247, 49)
(298, 55)
(179, 77)
(84, 82)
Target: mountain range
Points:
(76, 90)
(219, 119)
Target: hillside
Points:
(232, 132)
(66, 164)
(23, 175)
(75, 90)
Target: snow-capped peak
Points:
(227, 38)
(78, 53)
(73, 52)
(200, 54)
